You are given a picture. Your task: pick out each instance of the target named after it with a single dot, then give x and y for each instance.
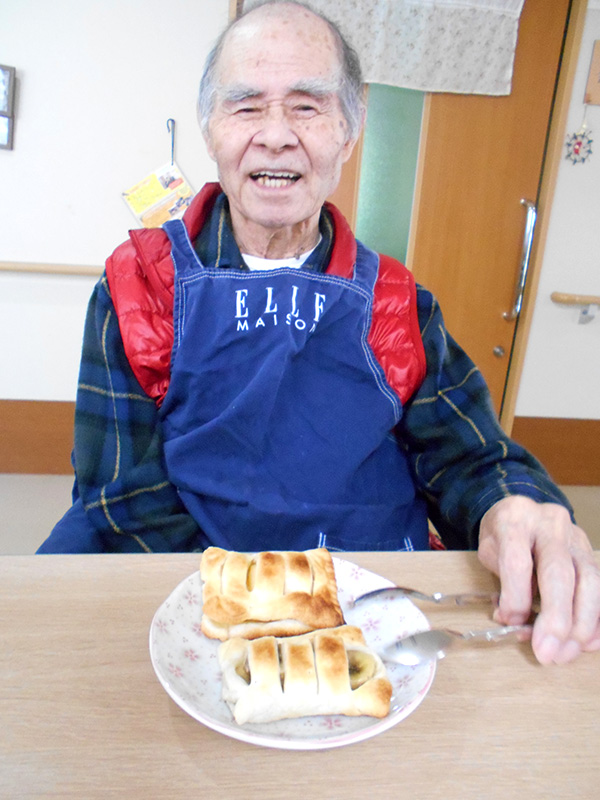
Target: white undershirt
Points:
(258, 263)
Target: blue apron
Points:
(278, 422)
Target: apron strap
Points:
(180, 245)
(366, 268)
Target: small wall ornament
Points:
(579, 145)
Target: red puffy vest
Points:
(141, 279)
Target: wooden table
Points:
(83, 715)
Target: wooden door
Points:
(480, 157)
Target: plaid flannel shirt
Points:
(461, 459)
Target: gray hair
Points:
(349, 90)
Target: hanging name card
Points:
(162, 195)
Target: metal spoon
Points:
(428, 645)
(464, 599)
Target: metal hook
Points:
(171, 129)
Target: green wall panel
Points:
(388, 169)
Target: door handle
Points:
(525, 255)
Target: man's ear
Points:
(208, 144)
(350, 143)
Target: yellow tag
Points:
(162, 195)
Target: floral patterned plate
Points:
(185, 662)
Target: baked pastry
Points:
(267, 594)
(323, 672)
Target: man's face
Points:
(277, 133)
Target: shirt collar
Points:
(217, 249)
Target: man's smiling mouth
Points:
(275, 179)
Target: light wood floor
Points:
(31, 504)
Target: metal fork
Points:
(418, 648)
(468, 598)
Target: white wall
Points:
(561, 376)
(97, 81)
(41, 324)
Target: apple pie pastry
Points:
(267, 594)
(322, 672)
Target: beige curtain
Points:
(464, 46)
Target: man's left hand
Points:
(533, 546)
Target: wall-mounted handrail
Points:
(566, 299)
(588, 304)
(49, 269)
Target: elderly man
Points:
(255, 378)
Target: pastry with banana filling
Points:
(323, 672)
(267, 594)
